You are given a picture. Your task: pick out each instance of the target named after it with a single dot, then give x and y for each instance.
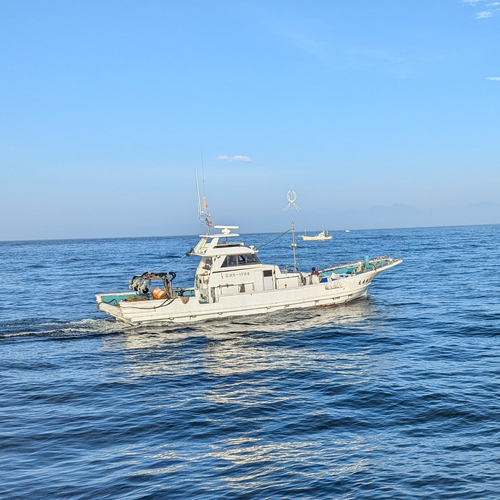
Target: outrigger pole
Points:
(291, 196)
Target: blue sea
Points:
(396, 395)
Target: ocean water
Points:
(393, 396)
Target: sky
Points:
(378, 114)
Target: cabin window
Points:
(230, 261)
(268, 273)
(240, 260)
(242, 288)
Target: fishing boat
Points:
(323, 236)
(231, 281)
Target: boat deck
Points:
(350, 268)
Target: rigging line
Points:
(187, 254)
(179, 258)
(274, 239)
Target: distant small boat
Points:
(347, 231)
(323, 236)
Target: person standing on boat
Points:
(315, 276)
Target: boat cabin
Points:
(230, 268)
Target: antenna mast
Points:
(291, 196)
(203, 212)
(198, 191)
(202, 174)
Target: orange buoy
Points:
(159, 293)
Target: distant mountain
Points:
(397, 215)
(400, 215)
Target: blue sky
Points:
(106, 107)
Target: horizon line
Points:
(197, 236)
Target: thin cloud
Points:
(484, 14)
(314, 36)
(494, 78)
(234, 158)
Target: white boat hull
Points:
(187, 310)
(323, 236)
(314, 238)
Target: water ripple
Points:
(393, 396)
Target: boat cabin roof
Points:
(211, 245)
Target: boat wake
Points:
(88, 327)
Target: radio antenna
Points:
(198, 191)
(291, 196)
(202, 173)
(203, 212)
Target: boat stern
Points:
(110, 304)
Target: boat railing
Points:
(356, 262)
